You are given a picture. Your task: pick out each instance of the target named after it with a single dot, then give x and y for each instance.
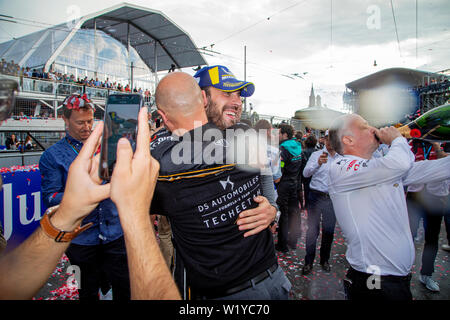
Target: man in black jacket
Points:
(310, 147)
(290, 154)
(224, 95)
(203, 195)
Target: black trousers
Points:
(100, 263)
(432, 224)
(319, 208)
(306, 189)
(364, 287)
(415, 212)
(289, 229)
(447, 222)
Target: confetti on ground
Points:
(318, 285)
(61, 286)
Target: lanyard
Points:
(73, 147)
(426, 153)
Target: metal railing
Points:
(55, 88)
(274, 120)
(39, 98)
(62, 89)
(19, 159)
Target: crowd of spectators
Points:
(434, 86)
(13, 142)
(439, 87)
(12, 68)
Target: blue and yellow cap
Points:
(221, 78)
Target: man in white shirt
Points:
(319, 206)
(370, 206)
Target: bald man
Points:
(180, 103)
(203, 196)
(370, 206)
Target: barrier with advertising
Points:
(21, 206)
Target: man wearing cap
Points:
(100, 250)
(319, 206)
(224, 108)
(214, 258)
(223, 92)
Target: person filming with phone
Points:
(100, 250)
(26, 268)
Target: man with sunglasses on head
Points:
(100, 250)
(26, 268)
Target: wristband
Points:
(57, 234)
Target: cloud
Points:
(296, 38)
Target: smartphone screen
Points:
(121, 118)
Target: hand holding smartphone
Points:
(120, 121)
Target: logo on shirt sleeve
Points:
(355, 164)
(351, 165)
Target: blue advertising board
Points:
(21, 206)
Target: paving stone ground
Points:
(318, 285)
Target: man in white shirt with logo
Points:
(319, 206)
(370, 206)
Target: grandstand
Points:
(119, 49)
(402, 93)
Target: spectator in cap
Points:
(214, 259)
(223, 92)
(224, 108)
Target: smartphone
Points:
(120, 121)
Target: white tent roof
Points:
(158, 40)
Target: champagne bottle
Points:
(433, 125)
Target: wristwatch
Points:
(276, 219)
(56, 234)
